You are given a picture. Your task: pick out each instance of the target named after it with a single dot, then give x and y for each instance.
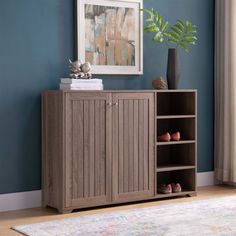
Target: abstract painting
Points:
(110, 35)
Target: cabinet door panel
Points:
(133, 146)
(88, 161)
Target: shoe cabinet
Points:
(176, 162)
(100, 147)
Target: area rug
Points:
(206, 217)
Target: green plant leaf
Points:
(190, 35)
(174, 35)
(176, 30)
(185, 47)
(150, 26)
(181, 33)
(157, 25)
(148, 11)
(162, 39)
(157, 36)
(157, 18)
(179, 22)
(172, 40)
(161, 22)
(164, 28)
(148, 20)
(193, 42)
(153, 30)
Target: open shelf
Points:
(186, 178)
(186, 127)
(176, 155)
(174, 167)
(176, 103)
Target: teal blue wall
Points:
(36, 40)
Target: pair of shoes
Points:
(167, 137)
(169, 188)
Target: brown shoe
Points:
(164, 137)
(175, 136)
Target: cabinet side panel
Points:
(52, 115)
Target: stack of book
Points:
(81, 84)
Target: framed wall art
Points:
(110, 35)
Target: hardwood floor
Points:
(36, 215)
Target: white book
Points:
(80, 81)
(80, 85)
(68, 87)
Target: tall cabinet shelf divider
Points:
(176, 162)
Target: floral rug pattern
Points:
(207, 217)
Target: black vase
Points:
(173, 73)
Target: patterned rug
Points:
(207, 217)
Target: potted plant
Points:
(181, 34)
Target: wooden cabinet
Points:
(100, 147)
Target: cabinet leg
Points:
(65, 211)
(192, 195)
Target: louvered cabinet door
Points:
(132, 146)
(88, 157)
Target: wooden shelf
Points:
(175, 117)
(183, 193)
(177, 91)
(176, 111)
(175, 142)
(174, 167)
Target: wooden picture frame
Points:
(110, 35)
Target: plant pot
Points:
(173, 73)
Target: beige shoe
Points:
(176, 188)
(166, 189)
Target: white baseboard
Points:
(31, 199)
(205, 179)
(22, 200)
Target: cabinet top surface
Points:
(124, 91)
